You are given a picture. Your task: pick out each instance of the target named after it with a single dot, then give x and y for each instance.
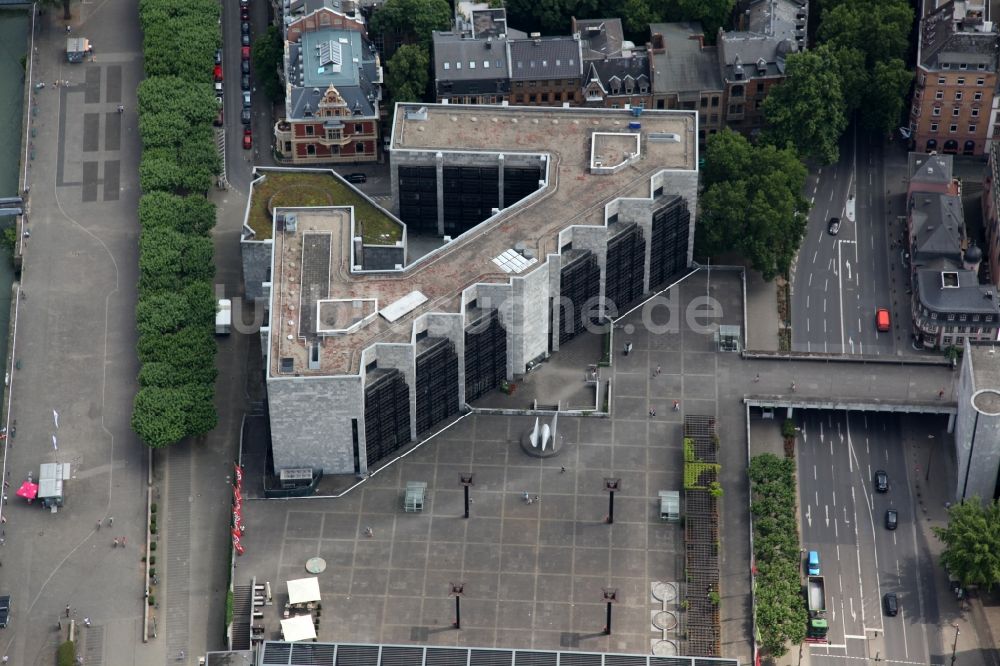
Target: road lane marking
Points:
(807, 300)
(810, 283)
(815, 254)
(840, 298)
(902, 621)
(814, 473)
(808, 326)
(835, 498)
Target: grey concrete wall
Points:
(311, 422)
(977, 440)
(530, 316)
(403, 358)
(256, 259)
(684, 183)
(451, 326)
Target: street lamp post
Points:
(457, 589)
(611, 485)
(466, 482)
(610, 597)
(954, 645)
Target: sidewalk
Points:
(932, 464)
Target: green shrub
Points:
(152, 600)
(152, 545)
(66, 654)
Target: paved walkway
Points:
(75, 342)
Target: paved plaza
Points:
(533, 572)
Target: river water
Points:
(15, 26)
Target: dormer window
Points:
(472, 64)
(447, 65)
(486, 64)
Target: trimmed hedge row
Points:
(781, 615)
(175, 315)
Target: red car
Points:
(244, 13)
(218, 72)
(247, 139)
(245, 52)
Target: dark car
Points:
(219, 118)
(245, 27)
(891, 604)
(356, 178)
(244, 13)
(245, 82)
(245, 39)
(244, 3)
(245, 66)
(4, 611)
(245, 116)
(834, 226)
(891, 519)
(881, 481)
(218, 56)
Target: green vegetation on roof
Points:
(301, 189)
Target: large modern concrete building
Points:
(549, 217)
(977, 425)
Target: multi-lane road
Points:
(839, 281)
(843, 518)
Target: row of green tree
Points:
(176, 309)
(752, 201)
(859, 66)
(408, 70)
(781, 615)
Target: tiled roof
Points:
(969, 296)
(545, 58)
(749, 48)
(937, 226)
(949, 39)
(635, 67)
(601, 38)
(684, 66)
(332, 57)
(458, 58)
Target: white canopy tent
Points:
(303, 590)
(298, 628)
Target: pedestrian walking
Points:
(111, 521)
(677, 405)
(658, 370)
(562, 470)
(940, 394)
(793, 387)
(115, 543)
(756, 378)
(123, 539)
(98, 524)
(86, 621)
(67, 610)
(369, 532)
(69, 29)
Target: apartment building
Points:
(333, 83)
(954, 103)
(949, 306)
(545, 71)
(616, 73)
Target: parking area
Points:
(534, 570)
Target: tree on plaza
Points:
(190, 345)
(807, 110)
(752, 203)
(406, 73)
(268, 54)
(185, 46)
(193, 101)
(413, 19)
(972, 542)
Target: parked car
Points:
(245, 39)
(244, 13)
(834, 226)
(246, 99)
(245, 66)
(881, 481)
(891, 519)
(813, 563)
(245, 82)
(219, 119)
(4, 611)
(356, 178)
(245, 27)
(247, 138)
(891, 604)
(217, 72)
(244, 3)
(218, 56)
(245, 53)
(245, 116)
(218, 89)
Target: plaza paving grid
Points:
(533, 573)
